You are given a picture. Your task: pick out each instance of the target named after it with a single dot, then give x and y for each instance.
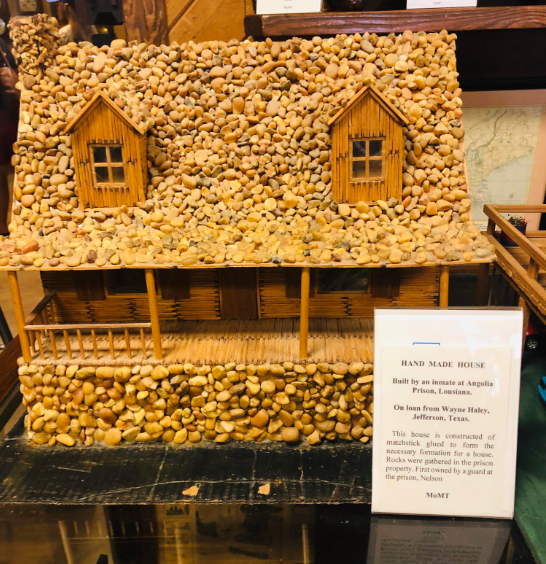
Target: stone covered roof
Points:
(239, 153)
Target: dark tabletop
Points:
(210, 534)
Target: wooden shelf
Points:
(452, 19)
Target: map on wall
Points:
(500, 144)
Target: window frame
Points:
(367, 159)
(133, 295)
(108, 164)
(319, 292)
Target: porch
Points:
(256, 341)
(203, 342)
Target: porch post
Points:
(444, 286)
(304, 313)
(19, 315)
(154, 317)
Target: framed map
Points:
(505, 145)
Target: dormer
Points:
(109, 154)
(367, 149)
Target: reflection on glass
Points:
(99, 154)
(408, 540)
(101, 173)
(126, 281)
(359, 169)
(342, 280)
(359, 149)
(376, 169)
(376, 148)
(118, 176)
(116, 155)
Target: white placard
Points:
(446, 393)
(264, 7)
(414, 4)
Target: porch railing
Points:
(76, 336)
(522, 277)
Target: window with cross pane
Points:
(367, 159)
(108, 165)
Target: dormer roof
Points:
(371, 90)
(98, 98)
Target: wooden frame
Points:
(318, 292)
(110, 294)
(109, 164)
(397, 21)
(511, 100)
(367, 158)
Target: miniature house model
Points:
(215, 223)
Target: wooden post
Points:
(444, 286)
(481, 286)
(154, 317)
(304, 313)
(532, 269)
(19, 315)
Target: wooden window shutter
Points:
(386, 282)
(293, 283)
(174, 284)
(89, 286)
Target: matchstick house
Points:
(214, 224)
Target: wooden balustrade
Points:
(76, 336)
(523, 277)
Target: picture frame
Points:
(531, 103)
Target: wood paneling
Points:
(293, 282)
(205, 20)
(385, 282)
(146, 21)
(238, 293)
(454, 19)
(418, 287)
(89, 286)
(174, 284)
(202, 303)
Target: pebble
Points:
(112, 437)
(65, 439)
(242, 164)
(177, 403)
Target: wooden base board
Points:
(155, 473)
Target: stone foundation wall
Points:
(189, 404)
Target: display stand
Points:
(156, 473)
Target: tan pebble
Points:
(314, 438)
(290, 435)
(261, 419)
(181, 436)
(160, 372)
(65, 440)
(341, 368)
(198, 381)
(268, 386)
(112, 437)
